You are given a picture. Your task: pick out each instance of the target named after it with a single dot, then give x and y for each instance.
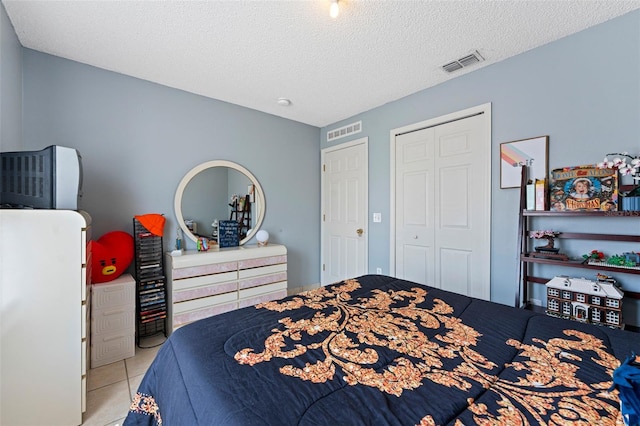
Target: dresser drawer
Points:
(83, 284)
(112, 320)
(262, 261)
(83, 392)
(200, 292)
(269, 288)
(196, 304)
(111, 348)
(205, 280)
(119, 292)
(208, 311)
(262, 280)
(83, 323)
(262, 270)
(261, 298)
(211, 269)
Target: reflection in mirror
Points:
(205, 196)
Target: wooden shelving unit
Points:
(525, 254)
(241, 213)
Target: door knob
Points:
(359, 231)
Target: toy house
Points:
(596, 302)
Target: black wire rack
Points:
(151, 289)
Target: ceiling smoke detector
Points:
(463, 62)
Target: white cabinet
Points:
(113, 325)
(202, 284)
(43, 340)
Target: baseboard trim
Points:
(296, 290)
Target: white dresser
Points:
(43, 340)
(113, 327)
(202, 284)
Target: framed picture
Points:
(533, 153)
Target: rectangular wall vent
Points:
(343, 131)
(465, 61)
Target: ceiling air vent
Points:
(452, 66)
(343, 131)
(465, 61)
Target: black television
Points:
(47, 179)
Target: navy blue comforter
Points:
(376, 350)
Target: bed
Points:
(377, 350)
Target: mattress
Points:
(376, 350)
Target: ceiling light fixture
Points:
(334, 9)
(284, 102)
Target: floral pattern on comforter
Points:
(378, 350)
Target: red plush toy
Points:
(111, 255)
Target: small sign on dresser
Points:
(228, 233)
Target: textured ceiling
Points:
(250, 53)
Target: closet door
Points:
(415, 192)
(442, 207)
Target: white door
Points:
(442, 206)
(414, 206)
(344, 211)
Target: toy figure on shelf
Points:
(202, 244)
(602, 278)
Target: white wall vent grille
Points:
(465, 61)
(343, 131)
(452, 66)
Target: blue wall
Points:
(10, 86)
(583, 91)
(138, 139)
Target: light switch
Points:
(377, 217)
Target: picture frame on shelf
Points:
(583, 188)
(532, 152)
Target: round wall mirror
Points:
(219, 190)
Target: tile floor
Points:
(111, 387)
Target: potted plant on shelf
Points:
(593, 256)
(619, 163)
(548, 235)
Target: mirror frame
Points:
(259, 195)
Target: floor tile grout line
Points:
(126, 372)
(129, 384)
(109, 384)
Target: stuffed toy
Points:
(111, 255)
